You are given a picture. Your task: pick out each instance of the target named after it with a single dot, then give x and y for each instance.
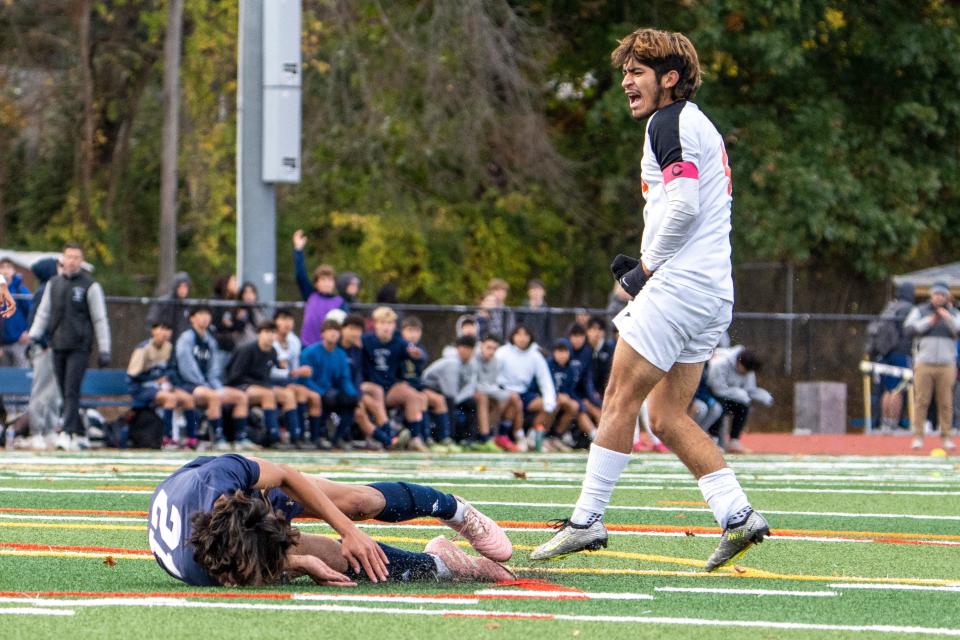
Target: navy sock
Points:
(292, 420)
(384, 434)
(216, 429)
(193, 421)
(302, 412)
(167, 417)
(404, 566)
(405, 501)
(345, 426)
(506, 427)
(416, 429)
(272, 423)
(444, 429)
(240, 428)
(483, 437)
(316, 426)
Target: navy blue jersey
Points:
(382, 360)
(192, 489)
(355, 358)
(411, 369)
(600, 368)
(565, 378)
(582, 362)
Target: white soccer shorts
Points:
(669, 323)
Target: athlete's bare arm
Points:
(357, 547)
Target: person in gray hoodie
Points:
(45, 398)
(171, 310)
(455, 378)
(732, 379)
(935, 326)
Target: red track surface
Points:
(847, 444)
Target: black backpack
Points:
(146, 429)
(886, 333)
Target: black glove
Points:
(103, 360)
(629, 273)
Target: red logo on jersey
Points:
(644, 187)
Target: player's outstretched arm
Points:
(357, 547)
(318, 570)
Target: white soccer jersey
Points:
(687, 188)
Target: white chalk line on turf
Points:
(895, 587)
(34, 611)
(479, 613)
(750, 592)
(516, 485)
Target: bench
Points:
(100, 387)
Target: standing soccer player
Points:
(683, 300)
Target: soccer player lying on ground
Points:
(683, 300)
(226, 521)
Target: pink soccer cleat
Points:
(482, 533)
(467, 568)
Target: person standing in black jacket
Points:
(70, 313)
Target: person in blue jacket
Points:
(14, 336)
(332, 379)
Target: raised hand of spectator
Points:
(299, 240)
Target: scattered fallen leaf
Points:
(680, 515)
(492, 625)
(739, 569)
(576, 632)
(114, 469)
(689, 534)
(480, 468)
(520, 475)
(109, 561)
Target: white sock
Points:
(443, 572)
(724, 495)
(458, 516)
(603, 470)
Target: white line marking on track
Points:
(895, 587)
(750, 592)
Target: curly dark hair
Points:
(242, 541)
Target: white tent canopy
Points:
(26, 259)
(924, 278)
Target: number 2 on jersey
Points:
(165, 520)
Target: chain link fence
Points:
(794, 347)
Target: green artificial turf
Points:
(520, 489)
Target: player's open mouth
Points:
(634, 99)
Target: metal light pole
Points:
(268, 131)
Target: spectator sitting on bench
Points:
(197, 369)
(732, 378)
(526, 373)
(383, 354)
(433, 402)
(287, 345)
(332, 381)
(371, 395)
(455, 378)
(252, 368)
(149, 385)
(493, 400)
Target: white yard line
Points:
(479, 613)
(894, 587)
(34, 611)
(750, 592)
